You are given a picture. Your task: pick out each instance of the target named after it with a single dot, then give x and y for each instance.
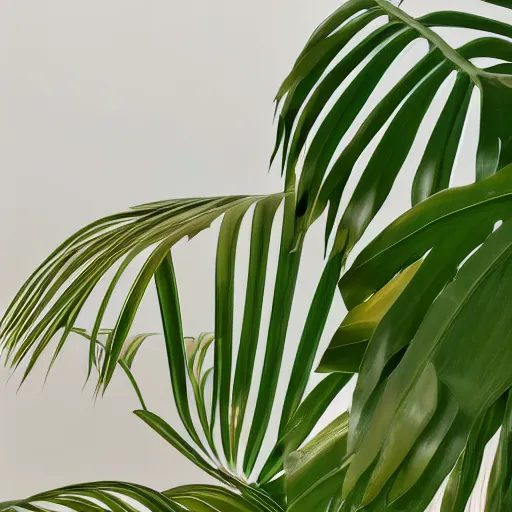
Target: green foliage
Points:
(428, 324)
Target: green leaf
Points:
(310, 339)
(303, 421)
(435, 169)
(313, 473)
(464, 476)
(167, 290)
(130, 350)
(410, 419)
(499, 488)
(323, 51)
(449, 341)
(494, 149)
(224, 312)
(209, 498)
(49, 301)
(416, 231)
(100, 496)
(387, 160)
(263, 220)
(428, 445)
(452, 224)
(400, 323)
(349, 343)
(501, 3)
(286, 280)
(375, 186)
(163, 429)
(6, 505)
(306, 116)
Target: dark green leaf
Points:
(499, 489)
(310, 339)
(167, 290)
(286, 280)
(224, 311)
(303, 421)
(349, 343)
(436, 166)
(464, 476)
(448, 346)
(314, 472)
(259, 251)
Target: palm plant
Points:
(426, 332)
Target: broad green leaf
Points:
(454, 342)
(349, 343)
(449, 225)
(314, 472)
(410, 419)
(425, 449)
(416, 231)
(400, 323)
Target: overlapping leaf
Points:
(97, 497)
(47, 302)
(413, 414)
(464, 358)
(315, 472)
(349, 343)
(125, 497)
(207, 498)
(28, 327)
(308, 114)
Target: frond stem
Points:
(434, 39)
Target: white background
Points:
(110, 103)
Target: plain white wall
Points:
(107, 104)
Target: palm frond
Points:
(97, 497)
(416, 294)
(83, 260)
(314, 120)
(126, 497)
(47, 302)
